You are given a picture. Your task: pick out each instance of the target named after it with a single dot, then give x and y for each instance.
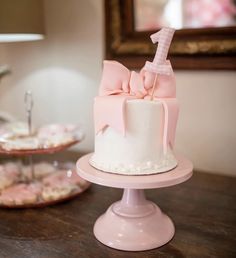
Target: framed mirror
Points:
(205, 36)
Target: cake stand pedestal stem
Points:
(133, 197)
(133, 204)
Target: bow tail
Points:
(171, 112)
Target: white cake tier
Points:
(140, 150)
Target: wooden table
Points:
(203, 210)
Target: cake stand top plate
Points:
(177, 175)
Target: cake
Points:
(135, 115)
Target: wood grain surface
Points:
(203, 210)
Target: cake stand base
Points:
(134, 224)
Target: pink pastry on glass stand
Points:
(21, 194)
(9, 173)
(59, 134)
(55, 129)
(135, 119)
(61, 184)
(63, 177)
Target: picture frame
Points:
(191, 49)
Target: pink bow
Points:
(117, 79)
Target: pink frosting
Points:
(118, 84)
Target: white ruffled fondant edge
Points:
(145, 168)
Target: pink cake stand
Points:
(134, 223)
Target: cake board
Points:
(134, 223)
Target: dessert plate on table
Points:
(53, 183)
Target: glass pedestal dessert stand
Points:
(66, 185)
(134, 223)
(29, 153)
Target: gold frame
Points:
(213, 48)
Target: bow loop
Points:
(118, 80)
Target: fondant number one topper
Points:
(159, 64)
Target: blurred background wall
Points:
(63, 71)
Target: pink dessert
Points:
(9, 174)
(61, 184)
(63, 178)
(21, 194)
